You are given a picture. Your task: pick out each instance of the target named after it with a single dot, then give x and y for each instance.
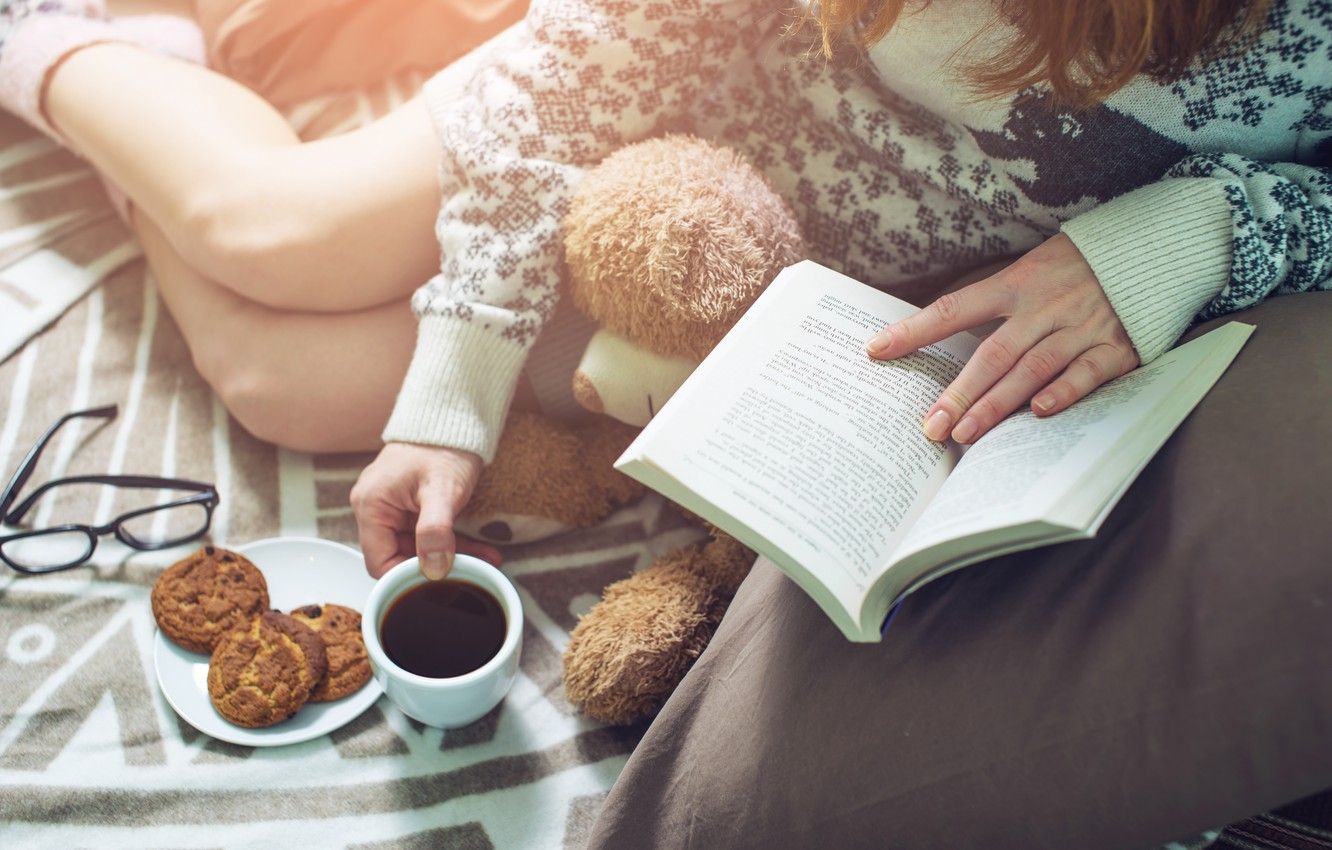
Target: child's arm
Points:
(587, 77)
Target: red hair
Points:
(1083, 49)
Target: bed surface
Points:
(90, 753)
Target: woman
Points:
(963, 132)
(1151, 161)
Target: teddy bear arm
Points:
(630, 651)
(548, 478)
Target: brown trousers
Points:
(1172, 675)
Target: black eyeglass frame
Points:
(204, 495)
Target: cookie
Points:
(212, 592)
(348, 663)
(262, 674)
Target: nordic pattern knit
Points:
(1193, 197)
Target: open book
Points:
(790, 438)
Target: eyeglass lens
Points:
(49, 549)
(164, 526)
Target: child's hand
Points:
(1061, 340)
(405, 504)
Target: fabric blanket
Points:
(90, 752)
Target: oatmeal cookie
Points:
(199, 599)
(348, 663)
(262, 674)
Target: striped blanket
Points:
(90, 752)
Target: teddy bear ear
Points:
(716, 252)
(668, 241)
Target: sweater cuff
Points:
(1160, 252)
(458, 387)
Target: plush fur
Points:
(669, 241)
(627, 655)
(542, 469)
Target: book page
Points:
(791, 429)
(1030, 469)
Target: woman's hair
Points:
(1084, 49)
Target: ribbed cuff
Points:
(458, 387)
(1160, 252)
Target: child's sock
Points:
(36, 36)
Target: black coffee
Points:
(443, 629)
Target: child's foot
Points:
(35, 35)
(14, 13)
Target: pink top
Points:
(290, 52)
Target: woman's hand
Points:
(405, 504)
(1061, 340)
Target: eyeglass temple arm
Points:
(137, 481)
(29, 462)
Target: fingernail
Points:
(966, 430)
(1043, 402)
(880, 343)
(937, 425)
(435, 565)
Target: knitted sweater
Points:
(1189, 198)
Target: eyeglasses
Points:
(48, 550)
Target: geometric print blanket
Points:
(91, 755)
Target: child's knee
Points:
(249, 245)
(249, 390)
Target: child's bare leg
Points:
(320, 382)
(338, 224)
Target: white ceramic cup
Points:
(457, 701)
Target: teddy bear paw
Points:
(630, 651)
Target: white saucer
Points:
(299, 571)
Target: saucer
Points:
(299, 571)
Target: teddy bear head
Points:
(667, 242)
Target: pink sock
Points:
(169, 34)
(37, 44)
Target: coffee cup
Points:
(451, 701)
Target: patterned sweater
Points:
(1189, 198)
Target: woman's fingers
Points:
(379, 545)
(994, 358)
(407, 541)
(1092, 368)
(1061, 336)
(949, 314)
(1034, 370)
(405, 501)
(435, 542)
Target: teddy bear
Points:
(667, 242)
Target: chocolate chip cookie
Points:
(348, 663)
(198, 600)
(262, 674)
